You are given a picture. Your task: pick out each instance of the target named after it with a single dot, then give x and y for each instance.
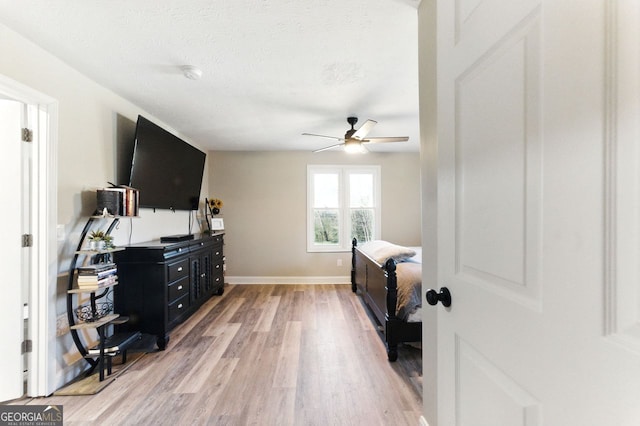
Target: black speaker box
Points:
(110, 200)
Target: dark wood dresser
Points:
(162, 284)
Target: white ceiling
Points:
(272, 69)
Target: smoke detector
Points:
(191, 72)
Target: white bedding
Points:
(381, 251)
(409, 274)
(418, 256)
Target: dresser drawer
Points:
(218, 267)
(178, 270)
(217, 280)
(178, 289)
(178, 307)
(217, 275)
(216, 253)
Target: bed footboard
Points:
(379, 289)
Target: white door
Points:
(537, 191)
(11, 302)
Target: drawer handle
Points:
(180, 269)
(217, 279)
(180, 306)
(217, 253)
(202, 275)
(179, 250)
(217, 266)
(180, 287)
(201, 244)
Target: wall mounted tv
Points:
(165, 169)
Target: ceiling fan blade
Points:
(383, 139)
(364, 129)
(323, 136)
(328, 147)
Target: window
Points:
(343, 202)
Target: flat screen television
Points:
(165, 169)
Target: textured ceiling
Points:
(272, 69)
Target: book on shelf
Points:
(94, 287)
(96, 268)
(97, 283)
(95, 278)
(100, 274)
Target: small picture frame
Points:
(217, 224)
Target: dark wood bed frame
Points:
(379, 289)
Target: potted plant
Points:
(98, 240)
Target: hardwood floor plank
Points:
(297, 302)
(268, 313)
(224, 317)
(199, 371)
(308, 308)
(185, 328)
(248, 381)
(201, 410)
(112, 396)
(286, 373)
(336, 312)
(171, 412)
(264, 355)
(119, 401)
(174, 374)
(277, 408)
(356, 307)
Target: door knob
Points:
(433, 297)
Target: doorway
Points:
(28, 226)
(15, 288)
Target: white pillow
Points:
(381, 251)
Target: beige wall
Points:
(264, 211)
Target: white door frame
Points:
(44, 268)
(427, 46)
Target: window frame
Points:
(344, 208)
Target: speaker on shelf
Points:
(109, 200)
(118, 201)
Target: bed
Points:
(388, 277)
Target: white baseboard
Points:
(287, 280)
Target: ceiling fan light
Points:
(354, 147)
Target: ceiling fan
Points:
(354, 140)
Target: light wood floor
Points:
(264, 355)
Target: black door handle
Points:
(433, 297)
